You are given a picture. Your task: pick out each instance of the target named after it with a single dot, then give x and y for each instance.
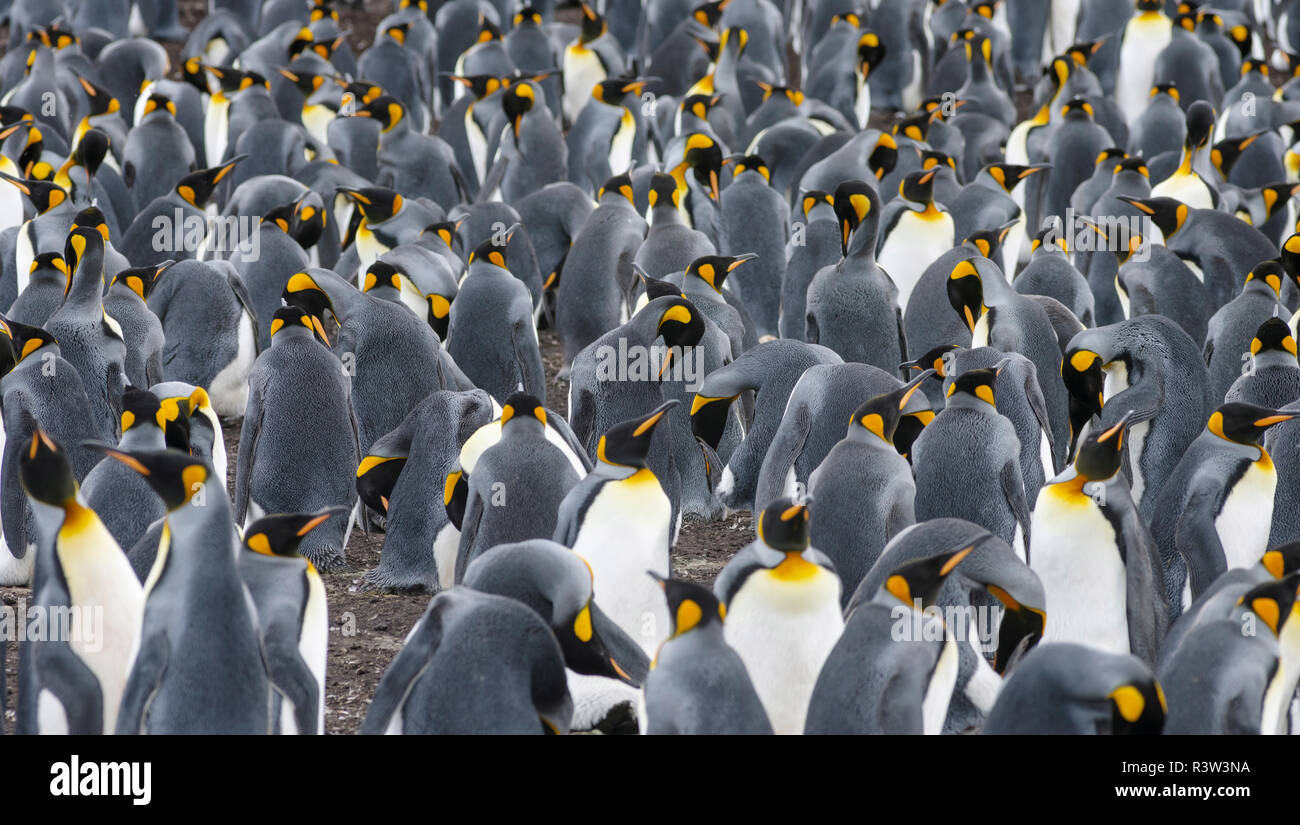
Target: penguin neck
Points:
(862, 244)
(614, 472)
(144, 437)
(965, 401)
(861, 435)
(666, 213)
(193, 527)
(87, 288)
(1278, 359)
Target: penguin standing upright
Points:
(588, 60)
(698, 684)
(1143, 39)
(620, 521)
(75, 684)
(820, 248)
(911, 238)
(756, 220)
(782, 598)
(298, 377)
(121, 497)
(1096, 559)
(671, 244)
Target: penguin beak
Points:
(1276, 418)
(1118, 429)
(713, 185)
(627, 661)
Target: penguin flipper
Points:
(146, 674)
(248, 435)
(1013, 487)
(1146, 607)
(128, 174)
(19, 426)
(561, 426)
(410, 662)
(290, 675)
(74, 684)
(582, 419)
(468, 533)
(1196, 537)
(1038, 404)
(241, 292)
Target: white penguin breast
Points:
(1188, 188)
(229, 390)
(620, 149)
(1244, 522)
(624, 533)
(1076, 557)
(913, 245)
(783, 631)
(938, 693)
(313, 642)
(1144, 39)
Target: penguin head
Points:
(1274, 198)
(922, 579)
(1272, 602)
(915, 126)
(857, 209)
(522, 409)
(281, 534)
(302, 291)
(54, 261)
(871, 52)
(979, 49)
(1135, 165)
(1081, 372)
(879, 416)
(448, 232)
(376, 477)
(282, 216)
(1166, 213)
(1101, 453)
(493, 250)
(918, 187)
(627, 444)
(376, 203)
(1200, 124)
(141, 408)
(936, 360)
(159, 103)
(27, 339)
(931, 160)
(1148, 6)
(309, 83)
(784, 526)
(614, 91)
(592, 25)
(196, 188)
(664, 191)
(527, 15)
(479, 85)
(1169, 89)
(708, 14)
(99, 99)
(751, 163)
(977, 384)
(397, 32)
(733, 39)
(1274, 335)
(1077, 108)
(387, 111)
(1050, 238)
(703, 157)
(45, 473)
(293, 317)
(1138, 708)
(382, 274)
(966, 290)
(1243, 423)
(29, 160)
(699, 105)
(814, 198)
(84, 248)
(714, 269)
(1185, 20)
(175, 476)
(988, 242)
(1273, 273)
(92, 218)
(791, 95)
(43, 195)
(1283, 560)
(690, 605)
(680, 324)
(656, 288)
(617, 185)
(1009, 175)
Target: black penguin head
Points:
(787, 93)
(880, 415)
(664, 191)
(857, 208)
(627, 444)
(680, 324)
(784, 525)
(1138, 708)
(1274, 335)
(931, 159)
(293, 316)
(979, 48)
(620, 185)
(45, 473)
(84, 248)
(1200, 123)
(1272, 273)
(1170, 89)
(922, 579)
(1081, 372)
(196, 188)
(656, 288)
(616, 90)
(281, 534)
(708, 14)
(309, 83)
(1272, 602)
(592, 25)
(1050, 235)
(375, 203)
(53, 260)
(689, 605)
(387, 111)
(91, 217)
(700, 105)
(1166, 213)
(448, 232)
(99, 99)
(27, 339)
(915, 126)
(884, 157)
(813, 198)
(988, 242)
(752, 163)
(1077, 108)
(43, 195)
(1150, 5)
(918, 187)
(303, 292)
(376, 477)
(159, 103)
(382, 274)
(1244, 423)
(1009, 175)
(966, 292)
(709, 417)
(935, 360)
(1275, 196)
(703, 157)
(1101, 453)
(493, 250)
(141, 408)
(282, 216)
(455, 495)
(871, 52)
(979, 383)
(714, 269)
(527, 15)
(1283, 560)
(1131, 164)
(89, 153)
(175, 476)
(479, 85)
(522, 407)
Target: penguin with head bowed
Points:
(1067, 688)
(1095, 557)
(299, 424)
(1237, 673)
(185, 678)
(782, 598)
(863, 492)
(619, 519)
(698, 684)
(174, 225)
(610, 135)
(1150, 366)
(820, 248)
(1050, 272)
(517, 484)
(875, 682)
(756, 221)
(1186, 184)
(39, 389)
(474, 663)
(491, 333)
(1214, 511)
(292, 616)
(589, 302)
(852, 305)
(122, 498)
(530, 151)
(126, 302)
(967, 463)
(74, 685)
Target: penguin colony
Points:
(984, 309)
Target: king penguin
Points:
(914, 231)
